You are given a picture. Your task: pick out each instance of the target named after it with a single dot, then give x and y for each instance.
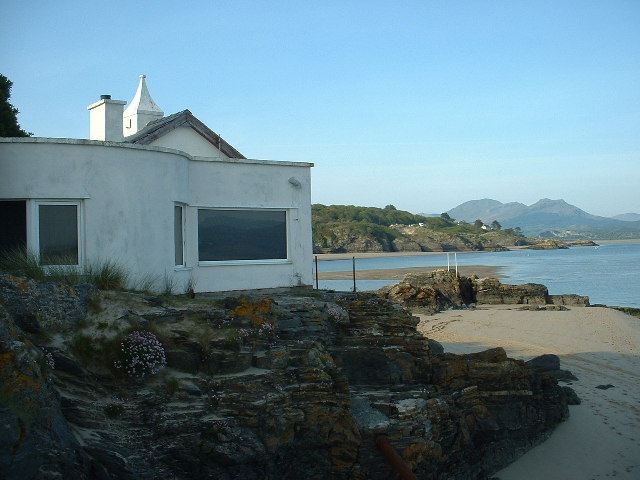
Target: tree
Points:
(478, 223)
(390, 207)
(445, 216)
(495, 225)
(9, 126)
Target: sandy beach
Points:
(399, 273)
(601, 346)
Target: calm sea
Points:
(608, 274)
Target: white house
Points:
(164, 196)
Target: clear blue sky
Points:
(420, 104)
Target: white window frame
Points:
(33, 226)
(268, 261)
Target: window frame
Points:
(33, 228)
(264, 261)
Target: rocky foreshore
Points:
(290, 384)
(443, 289)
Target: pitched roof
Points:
(185, 118)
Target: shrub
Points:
(141, 354)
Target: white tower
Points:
(141, 111)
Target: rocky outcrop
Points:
(491, 291)
(548, 244)
(569, 299)
(582, 243)
(37, 306)
(435, 291)
(292, 385)
(36, 441)
(550, 364)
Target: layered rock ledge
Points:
(291, 384)
(442, 289)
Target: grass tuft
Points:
(21, 263)
(108, 275)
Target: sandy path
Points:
(600, 346)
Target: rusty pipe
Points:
(382, 442)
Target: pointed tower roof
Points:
(142, 101)
(141, 111)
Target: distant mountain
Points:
(546, 218)
(628, 217)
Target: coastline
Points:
(481, 271)
(324, 257)
(600, 346)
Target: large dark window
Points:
(242, 235)
(13, 225)
(58, 234)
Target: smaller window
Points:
(178, 234)
(58, 234)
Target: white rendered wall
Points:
(188, 140)
(129, 192)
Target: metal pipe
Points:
(382, 442)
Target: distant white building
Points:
(166, 197)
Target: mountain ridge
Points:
(547, 217)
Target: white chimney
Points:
(105, 119)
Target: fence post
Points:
(354, 273)
(317, 285)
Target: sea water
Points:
(609, 273)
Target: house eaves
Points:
(185, 118)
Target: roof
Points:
(185, 118)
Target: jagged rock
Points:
(439, 290)
(550, 364)
(572, 396)
(544, 363)
(278, 386)
(43, 305)
(435, 347)
(605, 387)
(433, 291)
(36, 440)
(569, 299)
(491, 291)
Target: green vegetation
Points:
(9, 126)
(105, 275)
(348, 228)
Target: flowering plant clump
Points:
(141, 354)
(48, 359)
(337, 314)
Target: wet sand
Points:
(600, 346)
